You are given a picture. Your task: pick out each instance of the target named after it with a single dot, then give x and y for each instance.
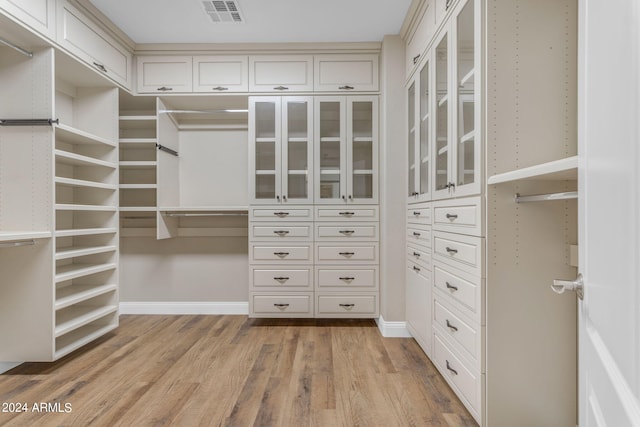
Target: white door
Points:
(609, 218)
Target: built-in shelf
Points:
(84, 232)
(69, 158)
(443, 150)
(140, 164)
(137, 122)
(425, 159)
(76, 339)
(75, 317)
(443, 100)
(266, 139)
(10, 236)
(468, 137)
(203, 208)
(74, 271)
(138, 232)
(138, 186)
(138, 209)
(138, 141)
(298, 139)
(468, 78)
(330, 172)
(330, 139)
(426, 117)
(265, 172)
(298, 172)
(71, 207)
(362, 139)
(557, 170)
(69, 134)
(82, 183)
(363, 172)
(72, 252)
(74, 294)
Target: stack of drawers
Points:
(419, 274)
(458, 279)
(347, 262)
(281, 262)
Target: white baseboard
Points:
(7, 366)
(393, 329)
(141, 307)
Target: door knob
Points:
(577, 286)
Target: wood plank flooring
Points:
(234, 371)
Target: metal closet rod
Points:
(16, 244)
(546, 197)
(224, 110)
(16, 47)
(185, 214)
(167, 150)
(29, 122)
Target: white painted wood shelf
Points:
(73, 251)
(74, 271)
(10, 236)
(75, 317)
(72, 135)
(69, 158)
(85, 232)
(71, 295)
(83, 183)
(84, 335)
(557, 170)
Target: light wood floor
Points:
(234, 371)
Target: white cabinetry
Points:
(344, 73)
(281, 73)
(220, 74)
(160, 74)
(86, 40)
(37, 14)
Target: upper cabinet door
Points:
(424, 131)
(297, 150)
(164, 74)
(346, 73)
(265, 130)
(411, 142)
(37, 14)
(418, 40)
(442, 119)
(220, 74)
(362, 149)
(284, 73)
(330, 140)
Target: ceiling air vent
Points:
(223, 12)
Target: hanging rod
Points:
(137, 217)
(545, 197)
(16, 244)
(16, 48)
(167, 149)
(180, 214)
(223, 110)
(29, 122)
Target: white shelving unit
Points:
(556, 170)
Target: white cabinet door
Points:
(164, 74)
(418, 41)
(81, 37)
(609, 213)
(281, 73)
(346, 73)
(220, 74)
(37, 14)
(420, 134)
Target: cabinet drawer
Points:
(466, 381)
(419, 216)
(460, 287)
(279, 278)
(458, 216)
(346, 305)
(347, 232)
(281, 214)
(419, 235)
(346, 279)
(463, 333)
(281, 305)
(220, 73)
(280, 253)
(464, 252)
(282, 232)
(347, 253)
(281, 73)
(164, 74)
(347, 214)
(346, 73)
(420, 256)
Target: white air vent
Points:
(223, 12)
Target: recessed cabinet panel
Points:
(290, 73)
(282, 305)
(346, 73)
(220, 74)
(38, 14)
(164, 74)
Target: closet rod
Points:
(223, 110)
(16, 48)
(16, 244)
(167, 150)
(545, 197)
(29, 122)
(138, 217)
(179, 214)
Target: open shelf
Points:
(74, 294)
(138, 209)
(139, 164)
(138, 186)
(557, 170)
(67, 157)
(76, 339)
(203, 208)
(72, 252)
(84, 232)
(75, 317)
(76, 136)
(82, 183)
(10, 236)
(68, 207)
(74, 271)
(468, 137)
(468, 77)
(137, 122)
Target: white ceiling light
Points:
(223, 11)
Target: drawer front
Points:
(421, 216)
(347, 253)
(466, 381)
(419, 235)
(282, 305)
(281, 253)
(347, 305)
(220, 74)
(281, 73)
(463, 252)
(347, 214)
(279, 278)
(347, 279)
(468, 336)
(419, 256)
(347, 232)
(281, 214)
(164, 74)
(458, 216)
(281, 232)
(464, 290)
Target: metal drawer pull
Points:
(451, 287)
(281, 232)
(416, 268)
(347, 279)
(415, 59)
(347, 232)
(451, 250)
(451, 216)
(347, 214)
(281, 306)
(416, 213)
(281, 279)
(347, 306)
(220, 88)
(415, 193)
(281, 254)
(416, 254)
(281, 214)
(164, 88)
(415, 233)
(281, 88)
(450, 368)
(100, 66)
(346, 87)
(453, 328)
(346, 253)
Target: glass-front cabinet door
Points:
(441, 108)
(411, 143)
(346, 130)
(280, 137)
(420, 128)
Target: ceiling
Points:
(266, 21)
